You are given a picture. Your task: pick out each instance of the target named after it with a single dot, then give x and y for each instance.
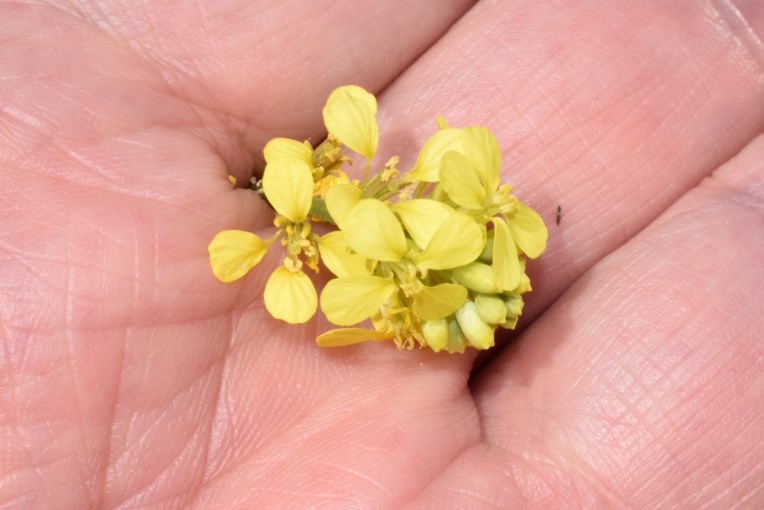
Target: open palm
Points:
(131, 377)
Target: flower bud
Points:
(487, 254)
(477, 277)
(479, 334)
(456, 339)
(491, 308)
(524, 285)
(436, 334)
(510, 323)
(514, 304)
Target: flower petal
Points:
(349, 336)
(336, 255)
(350, 300)
(422, 217)
(482, 151)
(288, 186)
(286, 148)
(372, 230)
(528, 230)
(461, 181)
(506, 265)
(290, 296)
(457, 241)
(427, 166)
(432, 303)
(349, 115)
(340, 199)
(234, 252)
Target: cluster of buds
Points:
(434, 256)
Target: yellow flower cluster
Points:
(434, 256)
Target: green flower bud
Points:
(510, 323)
(456, 339)
(436, 334)
(487, 254)
(491, 308)
(524, 286)
(477, 277)
(479, 334)
(514, 304)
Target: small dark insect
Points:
(559, 214)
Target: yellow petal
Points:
(349, 115)
(432, 303)
(336, 255)
(458, 241)
(288, 186)
(340, 199)
(372, 230)
(461, 181)
(290, 296)
(422, 217)
(479, 334)
(350, 300)
(482, 151)
(234, 252)
(506, 265)
(528, 230)
(427, 166)
(286, 148)
(348, 336)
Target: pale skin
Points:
(130, 377)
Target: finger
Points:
(270, 66)
(644, 380)
(611, 112)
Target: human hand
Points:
(131, 377)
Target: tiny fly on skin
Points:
(559, 214)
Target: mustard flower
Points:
(289, 293)
(471, 179)
(400, 291)
(413, 253)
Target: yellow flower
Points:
(414, 253)
(471, 178)
(324, 162)
(288, 185)
(398, 289)
(350, 115)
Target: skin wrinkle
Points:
(268, 459)
(157, 421)
(738, 28)
(160, 477)
(70, 377)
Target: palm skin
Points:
(132, 378)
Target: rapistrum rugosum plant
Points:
(434, 256)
